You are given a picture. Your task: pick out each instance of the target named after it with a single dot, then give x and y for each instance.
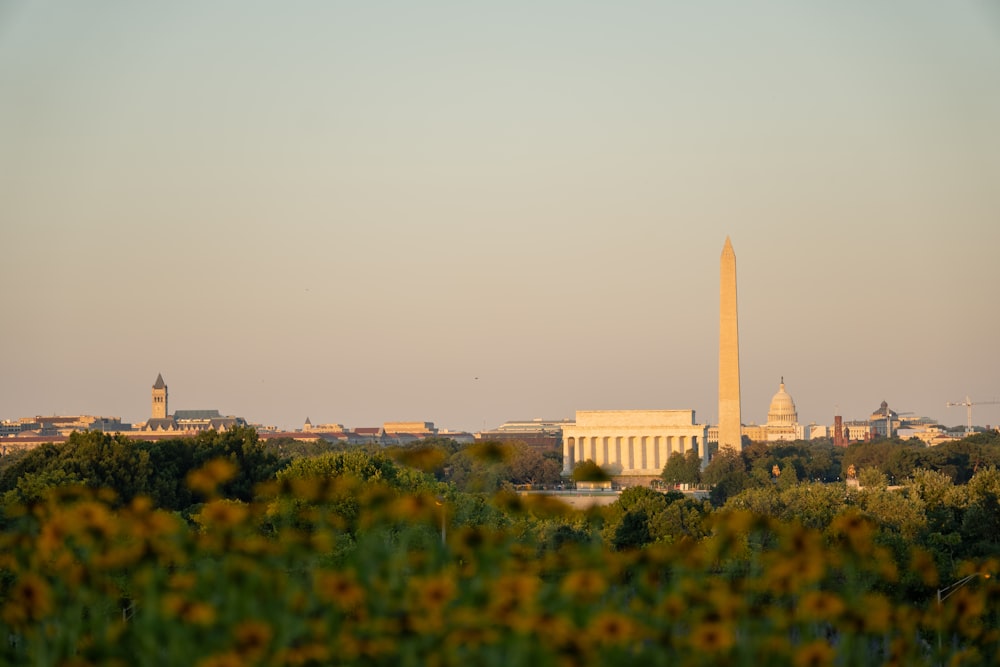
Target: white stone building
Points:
(782, 418)
(631, 442)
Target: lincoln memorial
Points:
(631, 442)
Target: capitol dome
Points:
(782, 409)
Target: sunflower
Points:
(340, 588)
(584, 584)
(252, 638)
(712, 637)
(433, 593)
(922, 562)
(228, 659)
(30, 599)
(820, 606)
(223, 514)
(210, 476)
(816, 653)
(190, 611)
(612, 628)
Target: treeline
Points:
(370, 538)
(130, 468)
(159, 469)
(761, 465)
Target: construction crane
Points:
(968, 403)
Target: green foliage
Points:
(91, 458)
(684, 469)
(530, 466)
(727, 475)
(632, 532)
(810, 504)
(356, 463)
(351, 541)
(981, 519)
(290, 448)
(242, 447)
(588, 471)
(667, 517)
(898, 459)
(155, 469)
(33, 487)
(892, 510)
(810, 460)
(872, 478)
(480, 468)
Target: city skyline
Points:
(469, 215)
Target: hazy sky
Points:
(469, 212)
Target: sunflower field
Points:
(330, 567)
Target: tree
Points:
(588, 471)
(683, 469)
(91, 458)
(872, 478)
(529, 466)
(632, 532)
(665, 516)
(255, 464)
(981, 521)
(356, 463)
(727, 474)
(171, 461)
(683, 518)
(34, 486)
(480, 468)
(430, 455)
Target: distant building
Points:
(62, 425)
(782, 422)
(185, 421)
(929, 434)
(322, 428)
(818, 431)
(631, 442)
(883, 422)
(857, 431)
(538, 433)
(783, 418)
(160, 410)
(422, 429)
(839, 435)
(369, 435)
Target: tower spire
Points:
(730, 431)
(159, 398)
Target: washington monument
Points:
(729, 354)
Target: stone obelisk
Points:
(729, 354)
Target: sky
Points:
(474, 212)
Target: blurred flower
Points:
(189, 611)
(712, 637)
(922, 563)
(252, 638)
(29, 599)
(415, 507)
(856, 531)
(427, 459)
(94, 517)
(584, 584)
(612, 628)
(339, 588)
(819, 606)
(223, 514)
(228, 659)
(209, 477)
(817, 653)
(433, 593)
